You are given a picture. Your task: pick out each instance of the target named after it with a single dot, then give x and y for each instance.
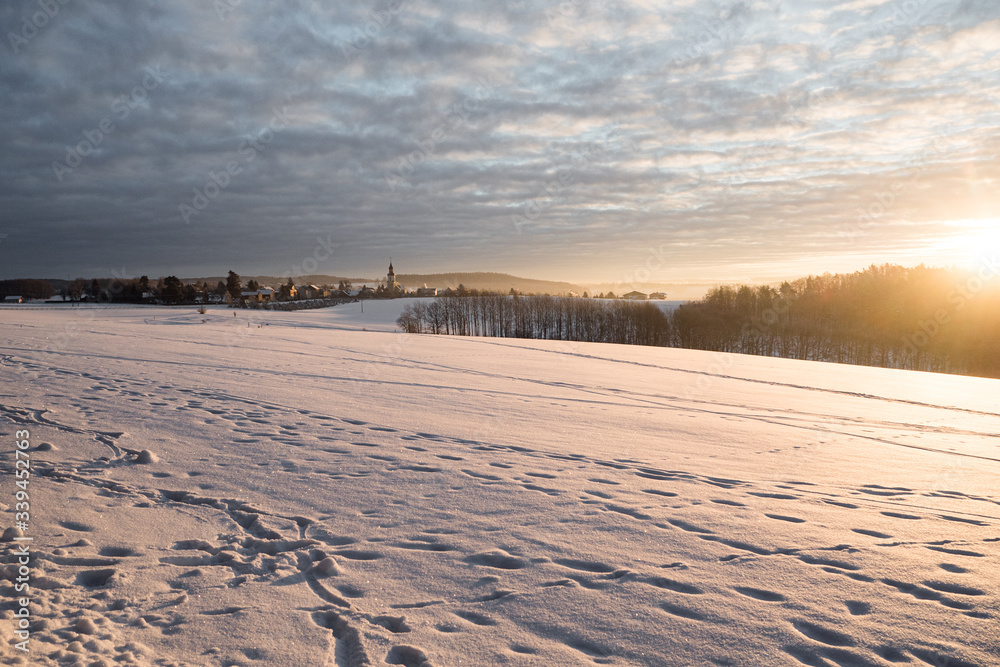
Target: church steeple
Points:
(390, 280)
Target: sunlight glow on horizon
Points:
(963, 244)
(977, 242)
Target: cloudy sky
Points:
(585, 140)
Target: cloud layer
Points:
(570, 140)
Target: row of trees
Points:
(919, 318)
(545, 317)
(169, 290)
(109, 290)
(911, 318)
(27, 287)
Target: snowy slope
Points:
(319, 494)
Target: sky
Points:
(577, 140)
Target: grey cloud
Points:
(723, 129)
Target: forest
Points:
(928, 319)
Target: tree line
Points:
(940, 320)
(547, 317)
(168, 290)
(927, 319)
(29, 288)
(80, 289)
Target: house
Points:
(261, 295)
(427, 291)
(635, 296)
(658, 295)
(13, 299)
(312, 292)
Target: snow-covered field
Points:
(310, 489)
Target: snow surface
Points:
(312, 493)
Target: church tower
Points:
(390, 280)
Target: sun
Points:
(973, 242)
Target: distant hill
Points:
(497, 282)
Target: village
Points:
(232, 292)
(258, 296)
